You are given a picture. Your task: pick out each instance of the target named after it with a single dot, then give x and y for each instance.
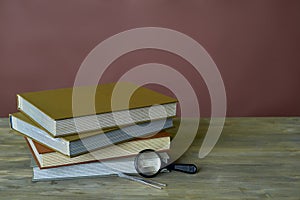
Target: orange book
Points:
(47, 158)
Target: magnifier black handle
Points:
(185, 168)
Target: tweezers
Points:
(151, 183)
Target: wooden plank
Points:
(255, 158)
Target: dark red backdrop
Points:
(255, 44)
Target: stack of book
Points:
(63, 150)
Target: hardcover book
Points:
(47, 158)
(75, 145)
(93, 169)
(53, 110)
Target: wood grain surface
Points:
(255, 158)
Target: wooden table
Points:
(255, 158)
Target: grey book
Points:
(75, 145)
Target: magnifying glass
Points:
(148, 164)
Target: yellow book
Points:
(53, 110)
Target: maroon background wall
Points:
(255, 44)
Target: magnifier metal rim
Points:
(136, 160)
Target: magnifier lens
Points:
(148, 163)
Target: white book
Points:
(94, 169)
